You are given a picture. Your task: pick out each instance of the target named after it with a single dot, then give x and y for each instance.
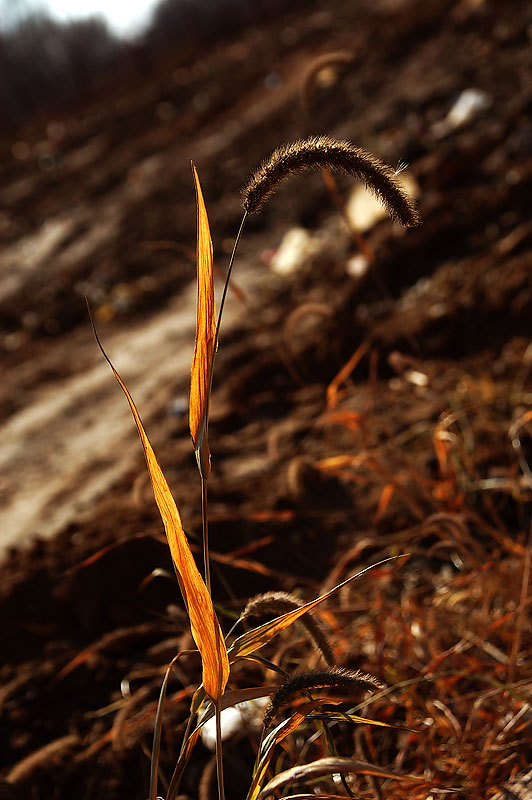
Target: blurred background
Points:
(368, 376)
(100, 116)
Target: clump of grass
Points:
(218, 654)
(451, 640)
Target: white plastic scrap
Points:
(466, 106)
(296, 248)
(365, 210)
(357, 266)
(242, 717)
(469, 103)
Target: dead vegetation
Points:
(392, 425)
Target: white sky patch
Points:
(125, 17)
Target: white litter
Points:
(296, 248)
(357, 266)
(365, 210)
(242, 717)
(466, 106)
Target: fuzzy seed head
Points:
(322, 152)
(350, 680)
(278, 603)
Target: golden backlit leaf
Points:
(203, 621)
(258, 637)
(205, 336)
(335, 716)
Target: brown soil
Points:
(412, 454)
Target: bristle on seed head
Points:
(322, 152)
(348, 680)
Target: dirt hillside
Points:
(372, 396)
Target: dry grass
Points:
(446, 632)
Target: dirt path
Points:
(74, 437)
(67, 446)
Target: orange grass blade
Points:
(203, 622)
(200, 378)
(173, 786)
(334, 386)
(384, 501)
(258, 637)
(339, 717)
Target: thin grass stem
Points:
(219, 758)
(156, 748)
(222, 301)
(190, 725)
(323, 729)
(205, 531)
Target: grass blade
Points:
(205, 336)
(326, 766)
(339, 716)
(158, 725)
(203, 621)
(258, 637)
(273, 738)
(230, 698)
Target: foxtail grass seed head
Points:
(350, 680)
(270, 603)
(322, 152)
(278, 603)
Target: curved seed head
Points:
(322, 152)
